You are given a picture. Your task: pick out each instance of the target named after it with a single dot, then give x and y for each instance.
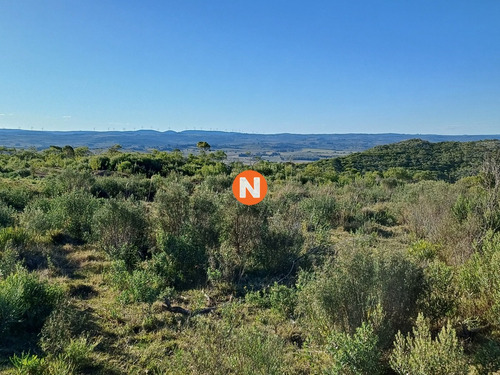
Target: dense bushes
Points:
(181, 278)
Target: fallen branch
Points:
(180, 310)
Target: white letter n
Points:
(245, 185)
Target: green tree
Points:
(203, 146)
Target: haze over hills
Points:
(275, 147)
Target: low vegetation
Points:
(384, 262)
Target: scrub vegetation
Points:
(381, 262)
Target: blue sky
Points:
(425, 66)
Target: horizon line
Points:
(239, 132)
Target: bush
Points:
(13, 236)
(344, 293)
(180, 260)
(69, 180)
(479, 282)
(63, 324)
(283, 299)
(76, 210)
(136, 187)
(321, 211)
(140, 285)
(283, 241)
(487, 357)
(6, 215)
(9, 262)
(25, 302)
(78, 352)
(172, 208)
(419, 354)
(441, 296)
(341, 294)
(356, 354)
(243, 233)
(120, 229)
(71, 213)
(204, 218)
(15, 196)
(424, 250)
(279, 297)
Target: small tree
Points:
(203, 146)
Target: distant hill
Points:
(447, 160)
(276, 147)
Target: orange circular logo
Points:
(249, 187)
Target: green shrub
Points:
(25, 302)
(341, 294)
(399, 284)
(18, 246)
(15, 196)
(38, 217)
(136, 187)
(283, 299)
(279, 297)
(124, 167)
(487, 357)
(479, 282)
(424, 250)
(243, 231)
(76, 210)
(120, 229)
(419, 354)
(78, 352)
(283, 241)
(68, 180)
(258, 298)
(9, 262)
(6, 215)
(321, 211)
(28, 364)
(172, 208)
(204, 218)
(441, 296)
(14, 237)
(99, 163)
(356, 354)
(144, 286)
(140, 285)
(345, 292)
(71, 213)
(64, 323)
(183, 262)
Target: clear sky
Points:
(367, 66)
